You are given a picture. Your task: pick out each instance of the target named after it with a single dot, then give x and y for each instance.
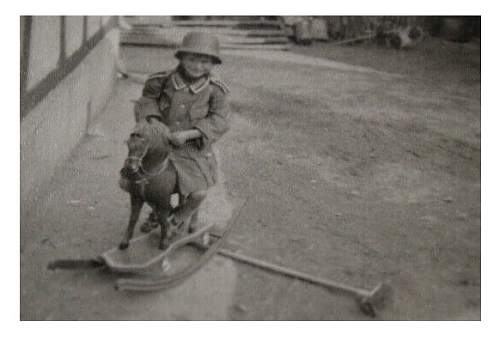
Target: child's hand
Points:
(178, 138)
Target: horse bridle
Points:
(140, 168)
(139, 159)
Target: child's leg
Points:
(151, 223)
(189, 207)
(193, 224)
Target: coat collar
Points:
(195, 87)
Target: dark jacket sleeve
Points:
(216, 123)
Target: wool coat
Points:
(183, 105)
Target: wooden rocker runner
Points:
(143, 257)
(151, 266)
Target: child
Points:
(190, 100)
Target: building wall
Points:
(68, 67)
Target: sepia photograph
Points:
(250, 168)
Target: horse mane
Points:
(154, 130)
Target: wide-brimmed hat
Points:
(200, 43)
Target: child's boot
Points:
(150, 224)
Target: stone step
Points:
(229, 37)
(253, 40)
(264, 33)
(243, 24)
(205, 23)
(161, 41)
(260, 26)
(275, 47)
(147, 39)
(211, 30)
(235, 31)
(175, 37)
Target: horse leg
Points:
(136, 204)
(165, 231)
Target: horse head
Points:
(149, 137)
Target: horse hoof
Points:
(123, 245)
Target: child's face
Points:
(197, 65)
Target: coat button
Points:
(182, 106)
(177, 123)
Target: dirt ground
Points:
(364, 179)
(355, 176)
(433, 60)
